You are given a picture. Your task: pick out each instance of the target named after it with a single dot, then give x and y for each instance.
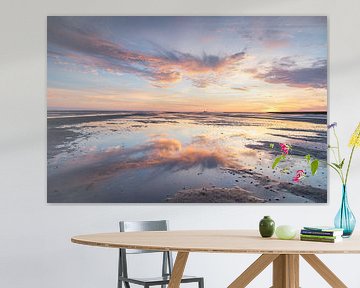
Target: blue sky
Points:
(258, 64)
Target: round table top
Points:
(217, 241)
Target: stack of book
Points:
(321, 234)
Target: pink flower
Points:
(284, 148)
(300, 174)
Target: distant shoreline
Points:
(305, 112)
(150, 111)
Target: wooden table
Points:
(284, 254)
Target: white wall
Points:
(35, 248)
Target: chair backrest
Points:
(133, 226)
(138, 226)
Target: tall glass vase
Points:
(345, 219)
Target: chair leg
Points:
(120, 273)
(164, 266)
(201, 283)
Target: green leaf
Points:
(333, 167)
(271, 145)
(342, 163)
(339, 166)
(308, 158)
(336, 165)
(277, 161)
(314, 166)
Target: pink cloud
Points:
(276, 43)
(158, 152)
(286, 71)
(92, 53)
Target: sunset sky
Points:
(242, 64)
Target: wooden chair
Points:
(167, 263)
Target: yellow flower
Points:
(355, 138)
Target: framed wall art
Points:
(185, 109)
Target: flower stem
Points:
(337, 171)
(350, 159)
(338, 149)
(338, 145)
(334, 154)
(348, 167)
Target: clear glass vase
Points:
(345, 219)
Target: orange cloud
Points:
(160, 152)
(90, 52)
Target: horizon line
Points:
(168, 111)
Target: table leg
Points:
(178, 269)
(286, 271)
(324, 271)
(253, 270)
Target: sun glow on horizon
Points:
(138, 63)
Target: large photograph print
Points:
(186, 109)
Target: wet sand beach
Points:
(157, 157)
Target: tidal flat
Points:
(167, 157)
